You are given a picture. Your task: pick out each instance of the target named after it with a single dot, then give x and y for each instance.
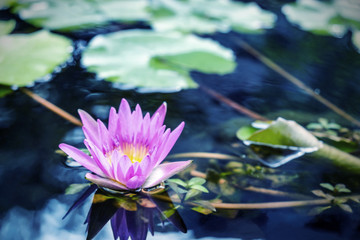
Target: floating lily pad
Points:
(68, 15)
(325, 18)
(281, 142)
(285, 140)
(24, 58)
(151, 61)
(208, 16)
(6, 27)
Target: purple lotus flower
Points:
(128, 154)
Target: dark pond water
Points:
(33, 177)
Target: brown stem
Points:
(233, 104)
(52, 107)
(268, 62)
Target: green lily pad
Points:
(333, 18)
(151, 61)
(69, 15)
(24, 58)
(6, 27)
(314, 16)
(208, 16)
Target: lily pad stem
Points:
(268, 62)
(52, 107)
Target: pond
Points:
(309, 195)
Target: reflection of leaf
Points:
(25, 58)
(317, 210)
(207, 16)
(7, 27)
(67, 15)
(76, 187)
(126, 58)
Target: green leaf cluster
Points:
(191, 188)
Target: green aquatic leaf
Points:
(69, 15)
(151, 61)
(7, 27)
(328, 186)
(208, 16)
(326, 17)
(196, 181)
(24, 58)
(200, 188)
(314, 16)
(178, 182)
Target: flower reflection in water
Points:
(131, 215)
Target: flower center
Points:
(135, 153)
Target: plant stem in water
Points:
(52, 107)
(268, 62)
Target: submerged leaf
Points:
(25, 58)
(150, 61)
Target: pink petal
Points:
(105, 182)
(174, 135)
(90, 127)
(165, 171)
(105, 138)
(162, 113)
(135, 182)
(113, 120)
(99, 158)
(82, 158)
